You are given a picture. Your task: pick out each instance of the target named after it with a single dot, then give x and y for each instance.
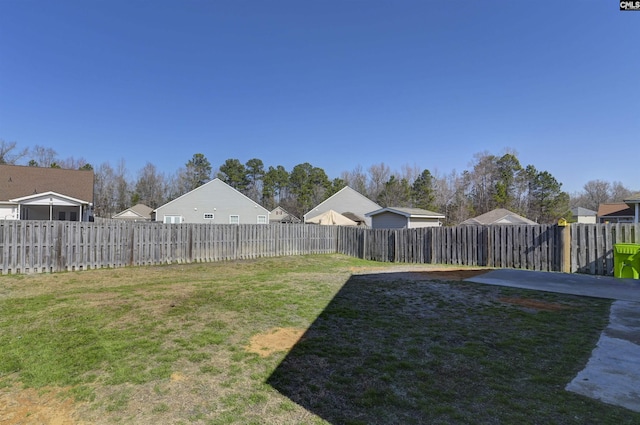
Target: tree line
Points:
(492, 181)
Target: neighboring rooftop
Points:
(136, 212)
(615, 209)
(408, 212)
(17, 181)
(579, 211)
(499, 216)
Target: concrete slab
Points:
(611, 374)
(564, 283)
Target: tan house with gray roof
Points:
(38, 193)
(138, 212)
(498, 216)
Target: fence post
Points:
(365, 233)
(566, 248)
(132, 245)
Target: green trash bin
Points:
(626, 260)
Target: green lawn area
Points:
(171, 345)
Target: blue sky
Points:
(338, 84)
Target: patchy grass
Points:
(171, 344)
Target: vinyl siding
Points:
(416, 223)
(213, 197)
(389, 220)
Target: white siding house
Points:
(213, 202)
(404, 218)
(39, 193)
(584, 215)
(346, 200)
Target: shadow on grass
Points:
(405, 349)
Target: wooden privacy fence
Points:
(51, 246)
(592, 245)
(508, 246)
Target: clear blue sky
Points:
(426, 83)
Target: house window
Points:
(262, 219)
(73, 216)
(172, 219)
(62, 216)
(208, 216)
(234, 219)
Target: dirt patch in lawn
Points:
(46, 406)
(534, 304)
(456, 274)
(274, 340)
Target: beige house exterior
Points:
(498, 216)
(281, 216)
(138, 212)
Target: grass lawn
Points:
(211, 344)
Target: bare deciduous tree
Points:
(10, 154)
(150, 188)
(379, 174)
(43, 157)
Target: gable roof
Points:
(615, 209)
(499, 216)
(407, 212)
(136, 211)
(280, 215)
(45, 197)
(19, 181)
(346, 192)
(211, 184)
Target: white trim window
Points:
(234, 219)
(172, 219)
(262, 219)
(208, 216)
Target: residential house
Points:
(346, 200)
(619, 212)
(213, 202)
(404, 218)
(138, 212)
(38, 193)
(583, 215)
(331, 218)
(498, 216)
(634, 203)
(280, 215)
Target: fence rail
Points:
(51, 246)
